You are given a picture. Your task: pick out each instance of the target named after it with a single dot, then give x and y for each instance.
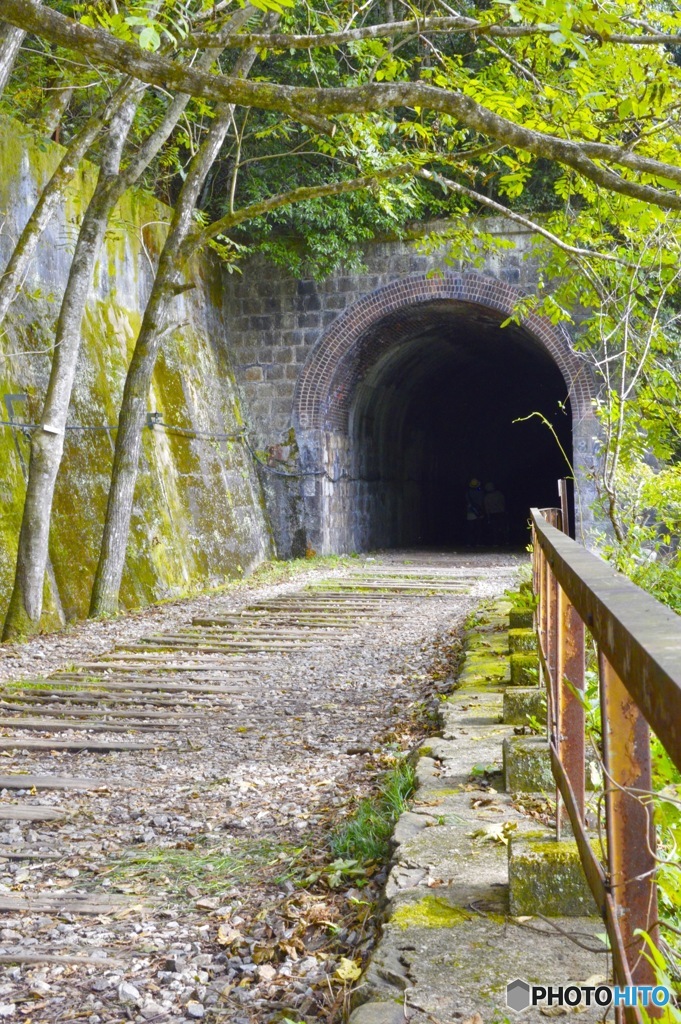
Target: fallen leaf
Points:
(349, 970)
(227, 935)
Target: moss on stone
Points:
(524, 669)
(527, 765)
(521, 618)
(429, 912)
(198, 516)
(522, 641)
(546, 877)
(521, 705)
(487, 645)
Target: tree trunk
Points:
(134, 406)
(52, 195)
(107, 582)
(11, 39)
(53, 192)
(55, 110)
(47, 443)
(10, 43)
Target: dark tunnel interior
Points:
(442, 404)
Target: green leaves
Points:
(272, 5)
(149, 24)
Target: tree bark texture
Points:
(11, 39)
(55, 110)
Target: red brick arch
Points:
(326, 385)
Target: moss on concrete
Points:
(546, 877)
(521, 618)
(198, 517)
(521, 705)
(522, 641)
(429, 912)
(484, 639)
(524, 669)
(527, 765)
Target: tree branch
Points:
(155, 70)
(296, 195)
(417, 26)
(518, 218)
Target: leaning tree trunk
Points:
(11, 39)
(47, 442)
(55, 110)
(134, 406)
(107, 582)
(53, 194)
(133, 409)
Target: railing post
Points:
(564, 507)
(629, 819)
(551, 642)
(570, 717)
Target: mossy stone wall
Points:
(199, 515)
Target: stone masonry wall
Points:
(274, 321)
(281, 329)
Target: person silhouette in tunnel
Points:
(495, 513)
(475, 512)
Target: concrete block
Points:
(524, 670)
(487, 643)
(522, 641)
(546, 877)
(481, 671)
(378, 1013)
(527, 766)
(520, 618)
(523, 703)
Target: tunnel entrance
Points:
(456, 397)
(418, 388)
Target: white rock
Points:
(127, 993)
(151, 1009)
(7, 1009)
(194, 1010)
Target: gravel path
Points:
(193, 872)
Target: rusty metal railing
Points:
(639, 666)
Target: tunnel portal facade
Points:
(397, 395)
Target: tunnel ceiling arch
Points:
(414, 306)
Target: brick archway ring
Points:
(317, 392)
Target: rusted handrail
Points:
(639, 663)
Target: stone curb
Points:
(448, 945)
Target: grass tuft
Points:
(366, 837)
(213, 871)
